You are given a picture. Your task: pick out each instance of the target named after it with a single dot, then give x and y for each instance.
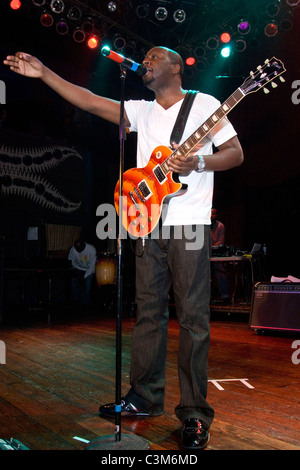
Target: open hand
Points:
(25, 64)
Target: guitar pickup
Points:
(145, 190)
(139, 195)
(159, 174)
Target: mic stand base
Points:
(128, 442)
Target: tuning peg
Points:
(267, 61)
(266, 91)
(259, 67)
(251, 73)
(274, 85)
(282, 79)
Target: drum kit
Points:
(106, 269)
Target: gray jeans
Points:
(160, 264)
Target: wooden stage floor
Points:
(57, 374)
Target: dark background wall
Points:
(258, 202)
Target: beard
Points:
(148, 81)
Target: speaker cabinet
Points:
(275, 306)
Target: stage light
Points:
(46, 20)
(130, 49)
(88, 25)
(161, 13)
(15, 4)
(286, 23)
(119, 42)
(57, 6)
(225, 52)
(62, 28)
(190, 61)
(74, 14)
(93, 42)
(38, 3)
(112, 6)
(240, 45)
(271, 29)
(200, 65)
(79, 35)
(200, 51)
(244, 27)
(142, 11)
(212, 43)
(179, 16)
(273, 8)
(293, 3)
(225, 37)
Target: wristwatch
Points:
(201, 164)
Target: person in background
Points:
(217, 233)
(83, 257)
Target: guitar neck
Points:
(206, 127)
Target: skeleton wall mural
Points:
(24, 173)
(42, 181)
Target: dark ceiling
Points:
(133, 26)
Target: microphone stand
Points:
(119, 441)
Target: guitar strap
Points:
(182, 117)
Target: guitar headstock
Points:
(263, 75)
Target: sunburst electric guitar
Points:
(145, 190)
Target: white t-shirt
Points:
(154, 126)
(84, 260)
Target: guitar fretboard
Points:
(187, 146)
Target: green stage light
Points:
(225, 52)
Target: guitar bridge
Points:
(145, 190)
(159, 174)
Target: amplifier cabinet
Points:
(275, 306)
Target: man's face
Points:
(213, 215)
(79, 246)
(159, 68)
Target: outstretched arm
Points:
(30, 66)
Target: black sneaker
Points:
(194, 434)
(127, 409)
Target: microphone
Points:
(139, 69)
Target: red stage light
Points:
(15, 4)
(46, 20)
(271, 29)
(225, 38)
(93, 42)
(190, 61)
